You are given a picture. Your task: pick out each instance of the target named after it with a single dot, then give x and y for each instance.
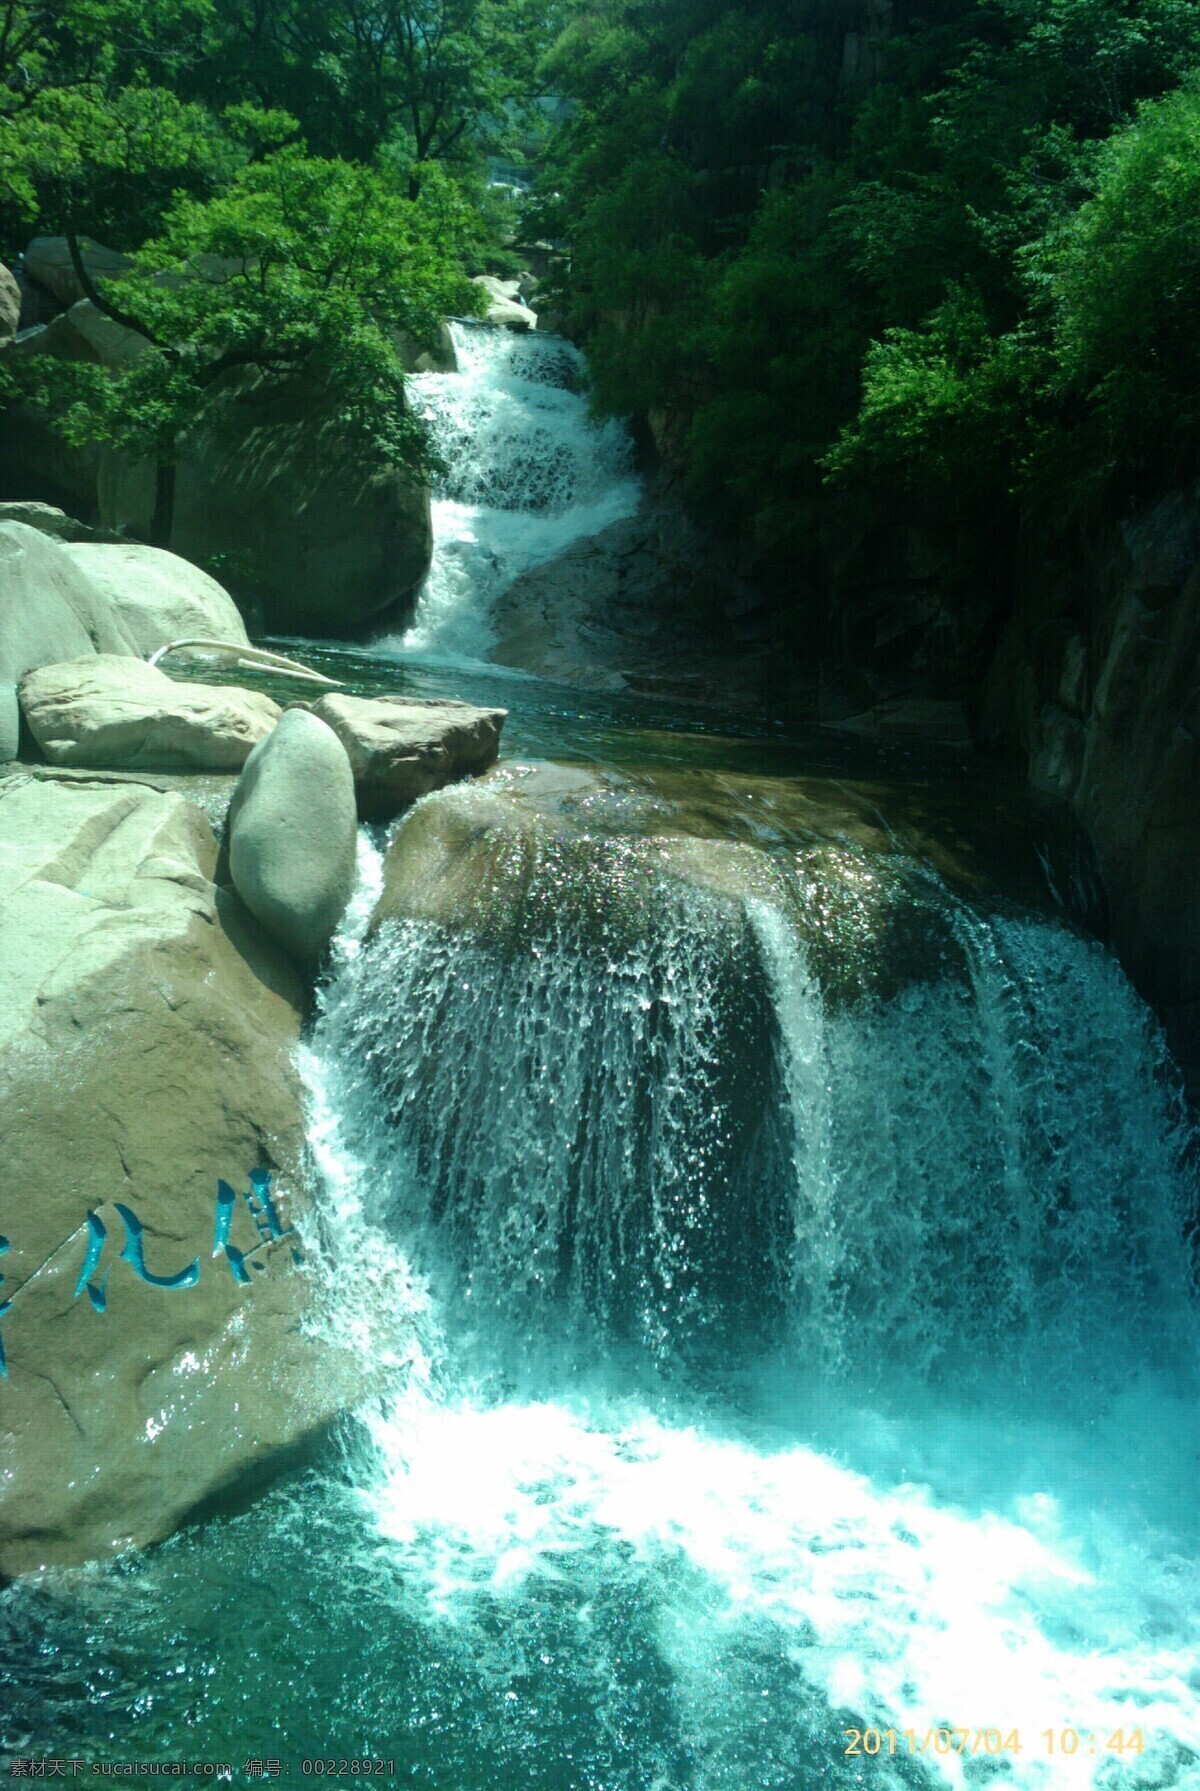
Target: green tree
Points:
(1120, 279)
(301, 266)
(437, 80)
(90, 119)
(882, 255)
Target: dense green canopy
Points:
(297, 183)
(930, 259)
(923, 258)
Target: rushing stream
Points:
(766, 1214)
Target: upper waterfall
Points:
(529, 472)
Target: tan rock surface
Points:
(145, 1031)
(51, 611)
(158, 596)
(400, 748)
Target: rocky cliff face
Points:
(1096, 680)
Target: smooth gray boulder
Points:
(400, 749)
(50, 611)
(146, 1031)
(158, 596)
(504, 303)
(106, 711)
(47, 519)
(293, 834)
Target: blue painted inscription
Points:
(262, 1212)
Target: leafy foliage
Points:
(163, 127)
(437, 80)
(1121, 279)
(935, 254)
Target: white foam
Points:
(908, 1611)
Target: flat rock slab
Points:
(107, 711)
(401, 749)
(146, 1030)
(211, 791)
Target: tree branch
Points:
(92, 292)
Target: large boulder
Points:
(400, 748)
(10, 306)
(145, 1036)
(51, 611)
(47, 519)
(484, 857)
(505, 304)
(48, 261)
(329, 538)
(325, 536)
(110, 342)
(293, 834)
(158, 596)
(106, 711)
(418, 356)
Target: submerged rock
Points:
(401, 749)
(51, 611)
(159, 596)
(545, 849)
(108, 711)
(145, 1031)
(293, 833)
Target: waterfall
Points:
(528, 473)
(822, 1335)
(632, 1110)
(780, 1263)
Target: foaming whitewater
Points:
(817, 1340)
(529, 472)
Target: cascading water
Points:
(527, 474)
(817, 1336)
